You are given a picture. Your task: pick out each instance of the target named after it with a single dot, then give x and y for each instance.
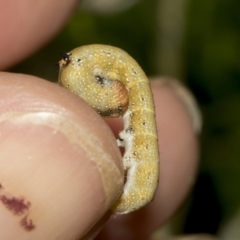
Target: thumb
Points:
(60, 167)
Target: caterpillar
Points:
(113, 83)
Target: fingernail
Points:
(186, 97)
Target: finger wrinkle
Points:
(110, 174)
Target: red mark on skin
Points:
(17, 205)
(27, 224)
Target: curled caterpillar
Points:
(112, 82)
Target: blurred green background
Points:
(196, 41)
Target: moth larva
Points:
(112, 82)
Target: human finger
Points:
(179, 153)
(27, 25)
(60, 165)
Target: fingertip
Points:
(179, 148)
(179, 155)
(27, 28)
(185, 97)
(65, 162)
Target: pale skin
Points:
(66, 170)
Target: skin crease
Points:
(178, 163)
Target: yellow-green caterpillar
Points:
(112, 82)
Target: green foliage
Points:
(213, 49)
(213, 54)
